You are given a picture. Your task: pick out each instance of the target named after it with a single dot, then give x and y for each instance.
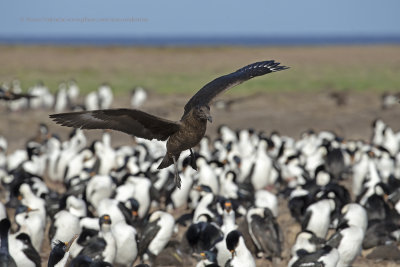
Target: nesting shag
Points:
(181, 135)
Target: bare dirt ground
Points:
(289, 113)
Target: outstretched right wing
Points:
(130, 121)
(219, 85)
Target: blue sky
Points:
(199, 18)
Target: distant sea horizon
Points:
(201, 40)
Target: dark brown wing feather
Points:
(217, 86)
(130, 121)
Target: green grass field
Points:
(185, 70)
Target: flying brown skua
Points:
(181, 135)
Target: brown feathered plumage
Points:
(181, 135)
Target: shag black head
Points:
(59, 250)
(182, 135)
(232, 240)
(57, 253)
(105, 219)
